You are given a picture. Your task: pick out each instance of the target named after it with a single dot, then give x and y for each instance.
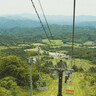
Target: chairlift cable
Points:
(40, 21)
(73, 33)
(45, 19)
(73, 29)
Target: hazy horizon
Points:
(41, 14)
(51, 7)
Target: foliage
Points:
(32, 53)
(8, 82)
(82, 53)
(4, 92)
(13, 66)
(46, 57)
(8, 87)
(92, 69)
(75, 68)
(45, 67)
(80, 69)
(17, 52)
(21, 35)
(88, 82)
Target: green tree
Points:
(8, 82)
(14, 66)
(4, 92)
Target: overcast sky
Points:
(51, 7)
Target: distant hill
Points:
(88, 23)
(17, 29)
(6, 22)
(29, 20)
(52, 18)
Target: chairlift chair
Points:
(69, 82)
(54, 73)
(69, 90)
(67, 75)
(69, 72)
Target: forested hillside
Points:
(82, 34)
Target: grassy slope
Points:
(52, 91)
(85, 64)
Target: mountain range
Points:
(31, 20)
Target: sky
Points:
(51, 7)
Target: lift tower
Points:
(60, 73)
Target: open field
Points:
(38, 44)
(34, 49)
(89, 43)
(3, 47)
(58, 43)
(54, 42)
